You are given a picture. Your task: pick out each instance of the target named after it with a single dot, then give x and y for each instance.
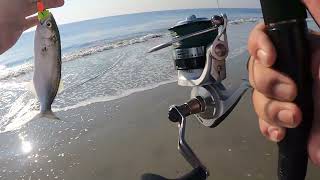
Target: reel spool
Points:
(191, 55)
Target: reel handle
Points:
(288, 30)
(196, 174)
(178, 114)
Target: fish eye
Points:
(49, 24)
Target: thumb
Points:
(30, 22)
(314, 142)
(314, 40)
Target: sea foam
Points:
(14, 72)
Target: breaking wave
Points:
(244, 20)
(17, 71)
(108, 46)
(9, 73)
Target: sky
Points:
(78, 10)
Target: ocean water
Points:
(105, 59)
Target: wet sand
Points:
(127, 137)
(124, 138)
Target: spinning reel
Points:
(200, 49)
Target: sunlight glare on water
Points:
(26, 146)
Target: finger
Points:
(32, 5)
(273, 133)
(30, 22)
(272, 83)
(276, 113)
(314, 142)
(313, 6)
(53, 3)
(260, 46)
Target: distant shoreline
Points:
(147, 12)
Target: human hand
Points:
(274, 92)
(14, 19)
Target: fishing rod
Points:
(287, 28)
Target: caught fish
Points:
(47, 64)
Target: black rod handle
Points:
(287, 29)
(293, 57)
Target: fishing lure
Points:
(43, 13)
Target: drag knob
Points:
(217, 20)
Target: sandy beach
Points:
(124, 138)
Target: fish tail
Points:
(47, 114)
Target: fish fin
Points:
(48, 115)
(30, 88)
(245, 79)
(61, 87)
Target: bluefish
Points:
(47, 64)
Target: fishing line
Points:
(219, 9)
(103, 72)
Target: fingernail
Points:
(274, 134)
(286, 117)
(283, 90)
(262, 57)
